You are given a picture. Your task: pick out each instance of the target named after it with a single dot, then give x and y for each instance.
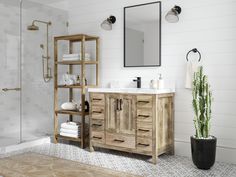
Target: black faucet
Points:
(138, 80)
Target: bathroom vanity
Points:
(132, 120)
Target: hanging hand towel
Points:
(190, 69)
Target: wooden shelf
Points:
(76, 86)
(68, 138)
(77, 37)
(70, 112)
(76, 62)
(72, 40)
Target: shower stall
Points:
(26, 87)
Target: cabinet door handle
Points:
(98, 112)
(146, 102)
(97, 99)
(141, 144)
(144, 130)
(120, 141)
(117, 105)
(121, 102)
(145, 116)
(97, 125)
(96, 137)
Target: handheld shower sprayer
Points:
(47, 75)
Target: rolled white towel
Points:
(69, 135)
(74, 132)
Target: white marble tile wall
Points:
(9, 70)
(208, 25)
(36, 96)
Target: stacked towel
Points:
(72, 129)
(75, 56)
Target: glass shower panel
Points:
(37, 95)
(10, 72)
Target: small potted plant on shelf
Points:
(203, 145)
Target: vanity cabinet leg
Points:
(91, 149)
(154, 159)
(55, 140)
(172, 151)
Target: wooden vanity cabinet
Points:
(138, 123)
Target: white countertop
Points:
(131, 90)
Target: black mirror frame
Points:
(160, 23)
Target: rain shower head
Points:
(33, 27)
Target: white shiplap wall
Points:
(209, 25)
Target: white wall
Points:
(208, 25)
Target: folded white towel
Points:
(69, 135)
(71, 59)
(72, 123)
(74, 55)
(70, 126)
(73, 132)
(191, 67)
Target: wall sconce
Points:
(107, 24)
(173, 15)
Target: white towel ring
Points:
(195, 50)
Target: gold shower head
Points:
(33, 27)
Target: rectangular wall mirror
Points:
(142, 35)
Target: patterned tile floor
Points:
(168, 166)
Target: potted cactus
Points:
(203, 145)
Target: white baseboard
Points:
(25, 145)
(223, 154)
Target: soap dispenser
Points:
(160, 82)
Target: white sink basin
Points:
(131, 90)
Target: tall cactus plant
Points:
(202, 98)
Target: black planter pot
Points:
(203, 152)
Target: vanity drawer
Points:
(97, 112)
(144, 101)
(97, 99)
(144, 130)
(144, 144)
(97, 125)
(97, 137)
(120, 140)
(144, 115)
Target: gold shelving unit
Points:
(72, 39)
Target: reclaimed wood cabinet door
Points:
(112, 112)
(127, 113)
(120, 114)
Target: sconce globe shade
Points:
(173, 15)
(106, 25)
